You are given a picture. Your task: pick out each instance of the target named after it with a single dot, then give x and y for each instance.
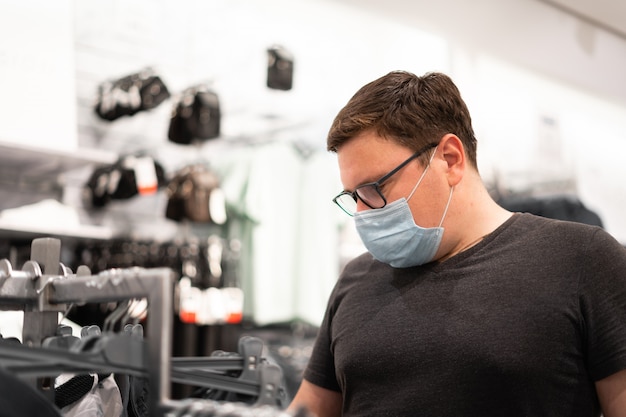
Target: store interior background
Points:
(544, 81)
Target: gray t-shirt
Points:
(521, 324)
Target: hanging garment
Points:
(100, 395)
(18, 399)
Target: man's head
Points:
(410, 110)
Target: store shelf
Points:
(24, 231)
(20, 161)
(27, 171)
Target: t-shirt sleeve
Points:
(321, 367)
(603, 305)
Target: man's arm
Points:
(612, 394)
(317, 400)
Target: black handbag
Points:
(120, 181)
(195, 117)
(130, 94)
(279, 68)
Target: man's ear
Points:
(454, 155)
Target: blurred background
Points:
(544, 81)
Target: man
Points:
(460, 308)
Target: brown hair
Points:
(413, 111)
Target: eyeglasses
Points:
(370, 193)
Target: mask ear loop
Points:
(445, 211)
(422, 177)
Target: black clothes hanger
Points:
(245, 376)
(63, 340)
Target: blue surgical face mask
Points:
(391, 235)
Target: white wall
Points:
(37, 89)
(526, 33)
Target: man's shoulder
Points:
(534, 221)
(542, 229)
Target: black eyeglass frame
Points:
(376, 184)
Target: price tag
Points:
(145, 175)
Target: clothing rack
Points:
(44, 287)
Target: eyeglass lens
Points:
(347, 203)
(368, 193)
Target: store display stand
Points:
(44, 287)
